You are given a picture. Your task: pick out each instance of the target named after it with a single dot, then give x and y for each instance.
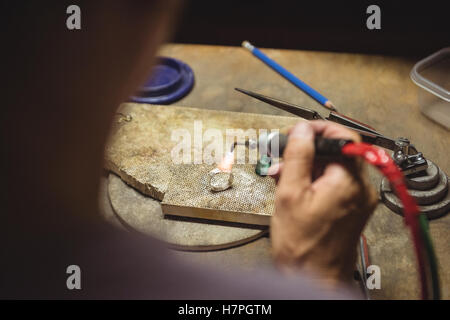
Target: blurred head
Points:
(63, 87)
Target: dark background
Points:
(408, 28)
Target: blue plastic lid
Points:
(170, 80)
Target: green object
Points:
(431, 255)
(263, 165)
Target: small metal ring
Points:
(223, 186)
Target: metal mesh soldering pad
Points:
(250, 200)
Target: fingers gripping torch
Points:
(275, 144)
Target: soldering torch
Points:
(273, 145)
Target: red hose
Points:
(381, 160)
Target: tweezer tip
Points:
(252, 94)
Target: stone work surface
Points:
(251, 199)
(139, 151)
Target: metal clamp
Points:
(408, 158)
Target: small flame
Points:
(227, 162)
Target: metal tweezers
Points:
(368, 134)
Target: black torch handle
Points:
(324, 147)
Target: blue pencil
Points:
(289, 76)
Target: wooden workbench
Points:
(374, 89)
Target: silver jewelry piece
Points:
(217, 183)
